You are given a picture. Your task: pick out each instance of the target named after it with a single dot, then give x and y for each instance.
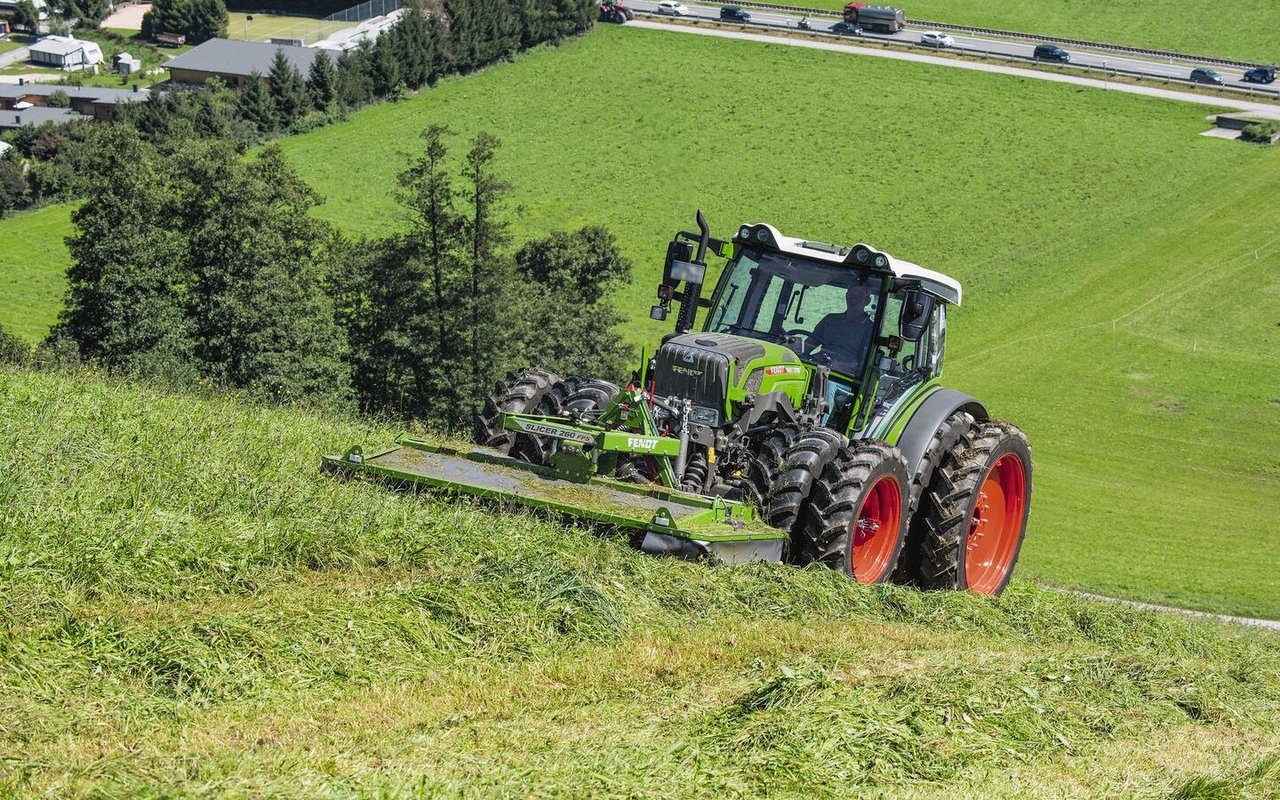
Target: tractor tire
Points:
(537, 449)
(590, 396)
(515, 394)
(804, 461)
(765, 463)
(975, 513)
(856, 519)
(943, 442)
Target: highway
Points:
(969, 44)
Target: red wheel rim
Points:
(875, 531)
(996, 525)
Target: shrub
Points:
(1260, 132)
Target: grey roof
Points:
(236, 57)
(63, 46)
(36, 115)
(12, 91)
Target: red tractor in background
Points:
(612, 11)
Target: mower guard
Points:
(672, 522)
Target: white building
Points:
(66, 52)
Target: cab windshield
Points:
(825, 313)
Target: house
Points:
(65, 52)
(87, 102)
(38, 115)
(233, 61)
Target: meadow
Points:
(1236, 29)
(1119, 278)
(193, 609)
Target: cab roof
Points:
(943, 287)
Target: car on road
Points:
(1050, 52)
(846, 29)
(672, 8)
(936, 39)
(1205, 75)
(734, 14)
(1260, 75)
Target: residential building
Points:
(234, 61)
(65, 52)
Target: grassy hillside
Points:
(191, 607)
(1120, 279)
(1238, 29)
(33, 263)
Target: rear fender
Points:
(929, 417)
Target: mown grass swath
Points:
(1115, 263)
(192, 607)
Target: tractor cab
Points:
(864, 327)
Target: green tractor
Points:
(804, 422)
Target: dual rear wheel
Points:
(852, 505)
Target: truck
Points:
(879, 19)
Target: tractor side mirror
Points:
(917, 307)
(679, 254)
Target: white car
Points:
(673, 8)
(936, 39)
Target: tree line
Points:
(196, 266)
(51, 162)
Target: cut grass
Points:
(1236, 29)
(193, 608)
(1118, 271)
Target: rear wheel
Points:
(856, 519)
(940, 446)
(975, 514)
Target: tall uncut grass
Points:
(192, 608)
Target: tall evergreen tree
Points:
(287, 89)
(25, 16)
(386, 66)
(207, 19)
(322, 82)
(355, 76)
(257, 106)
(490, 273)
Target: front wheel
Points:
(976, 511)
(856, 519)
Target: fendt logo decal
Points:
(558, 433)
(641, 442)
(697, 373)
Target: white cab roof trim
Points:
(944, 287)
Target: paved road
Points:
(1228, 103)
(14, 56)
(1271, 625)
(1004, 47)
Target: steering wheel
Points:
(801, 336)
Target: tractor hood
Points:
(714, 369)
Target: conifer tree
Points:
(322, 82)
(258, 107)
(287, 89)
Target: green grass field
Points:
(265, 26)
(1120, 280)
(193, 609)
(1239, 29)
(33, 262)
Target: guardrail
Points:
(1010, 57)
(1032, 37)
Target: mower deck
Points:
(672, 522)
